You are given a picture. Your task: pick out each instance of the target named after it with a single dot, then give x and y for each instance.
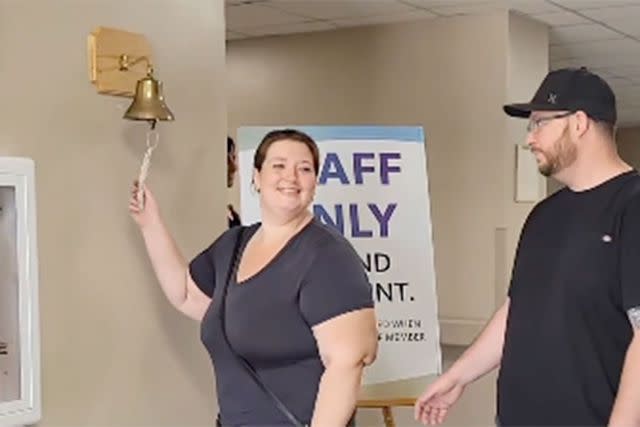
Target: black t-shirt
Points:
(316, 276)
(576, 273)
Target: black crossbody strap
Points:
(252, 372)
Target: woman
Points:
(298, 306)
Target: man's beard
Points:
(560, 156)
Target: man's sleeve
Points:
(630, 256)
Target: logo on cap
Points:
(552, 98)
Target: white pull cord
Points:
(152, 142)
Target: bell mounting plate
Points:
(105, 49)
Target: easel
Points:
(386, 396)
(386, 405)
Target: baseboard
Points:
(455, 331)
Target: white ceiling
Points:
(603, 35)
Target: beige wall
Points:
(404, 74)
(628, 140)
(452, 77)
(399, 75)
(528, 63)
(113, 352)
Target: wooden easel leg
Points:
(388, 417)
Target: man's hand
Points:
(432, 407)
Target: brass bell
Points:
(148, 102)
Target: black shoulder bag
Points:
(252, 372)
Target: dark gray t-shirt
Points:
(316, 276)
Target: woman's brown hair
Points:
(280, 135)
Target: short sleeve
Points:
(202, 271)
(336, 283)
(520, 247)
(514, 270)
(630, 255)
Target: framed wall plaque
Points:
(20, 401)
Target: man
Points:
(567, 338)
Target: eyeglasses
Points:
(535, 124)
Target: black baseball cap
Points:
(571, 89)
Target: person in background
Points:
(288, 295)
(567, 338)
(233, 217)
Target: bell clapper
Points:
(152, 142)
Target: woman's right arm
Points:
(169, 265)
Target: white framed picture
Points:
(20, 394)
